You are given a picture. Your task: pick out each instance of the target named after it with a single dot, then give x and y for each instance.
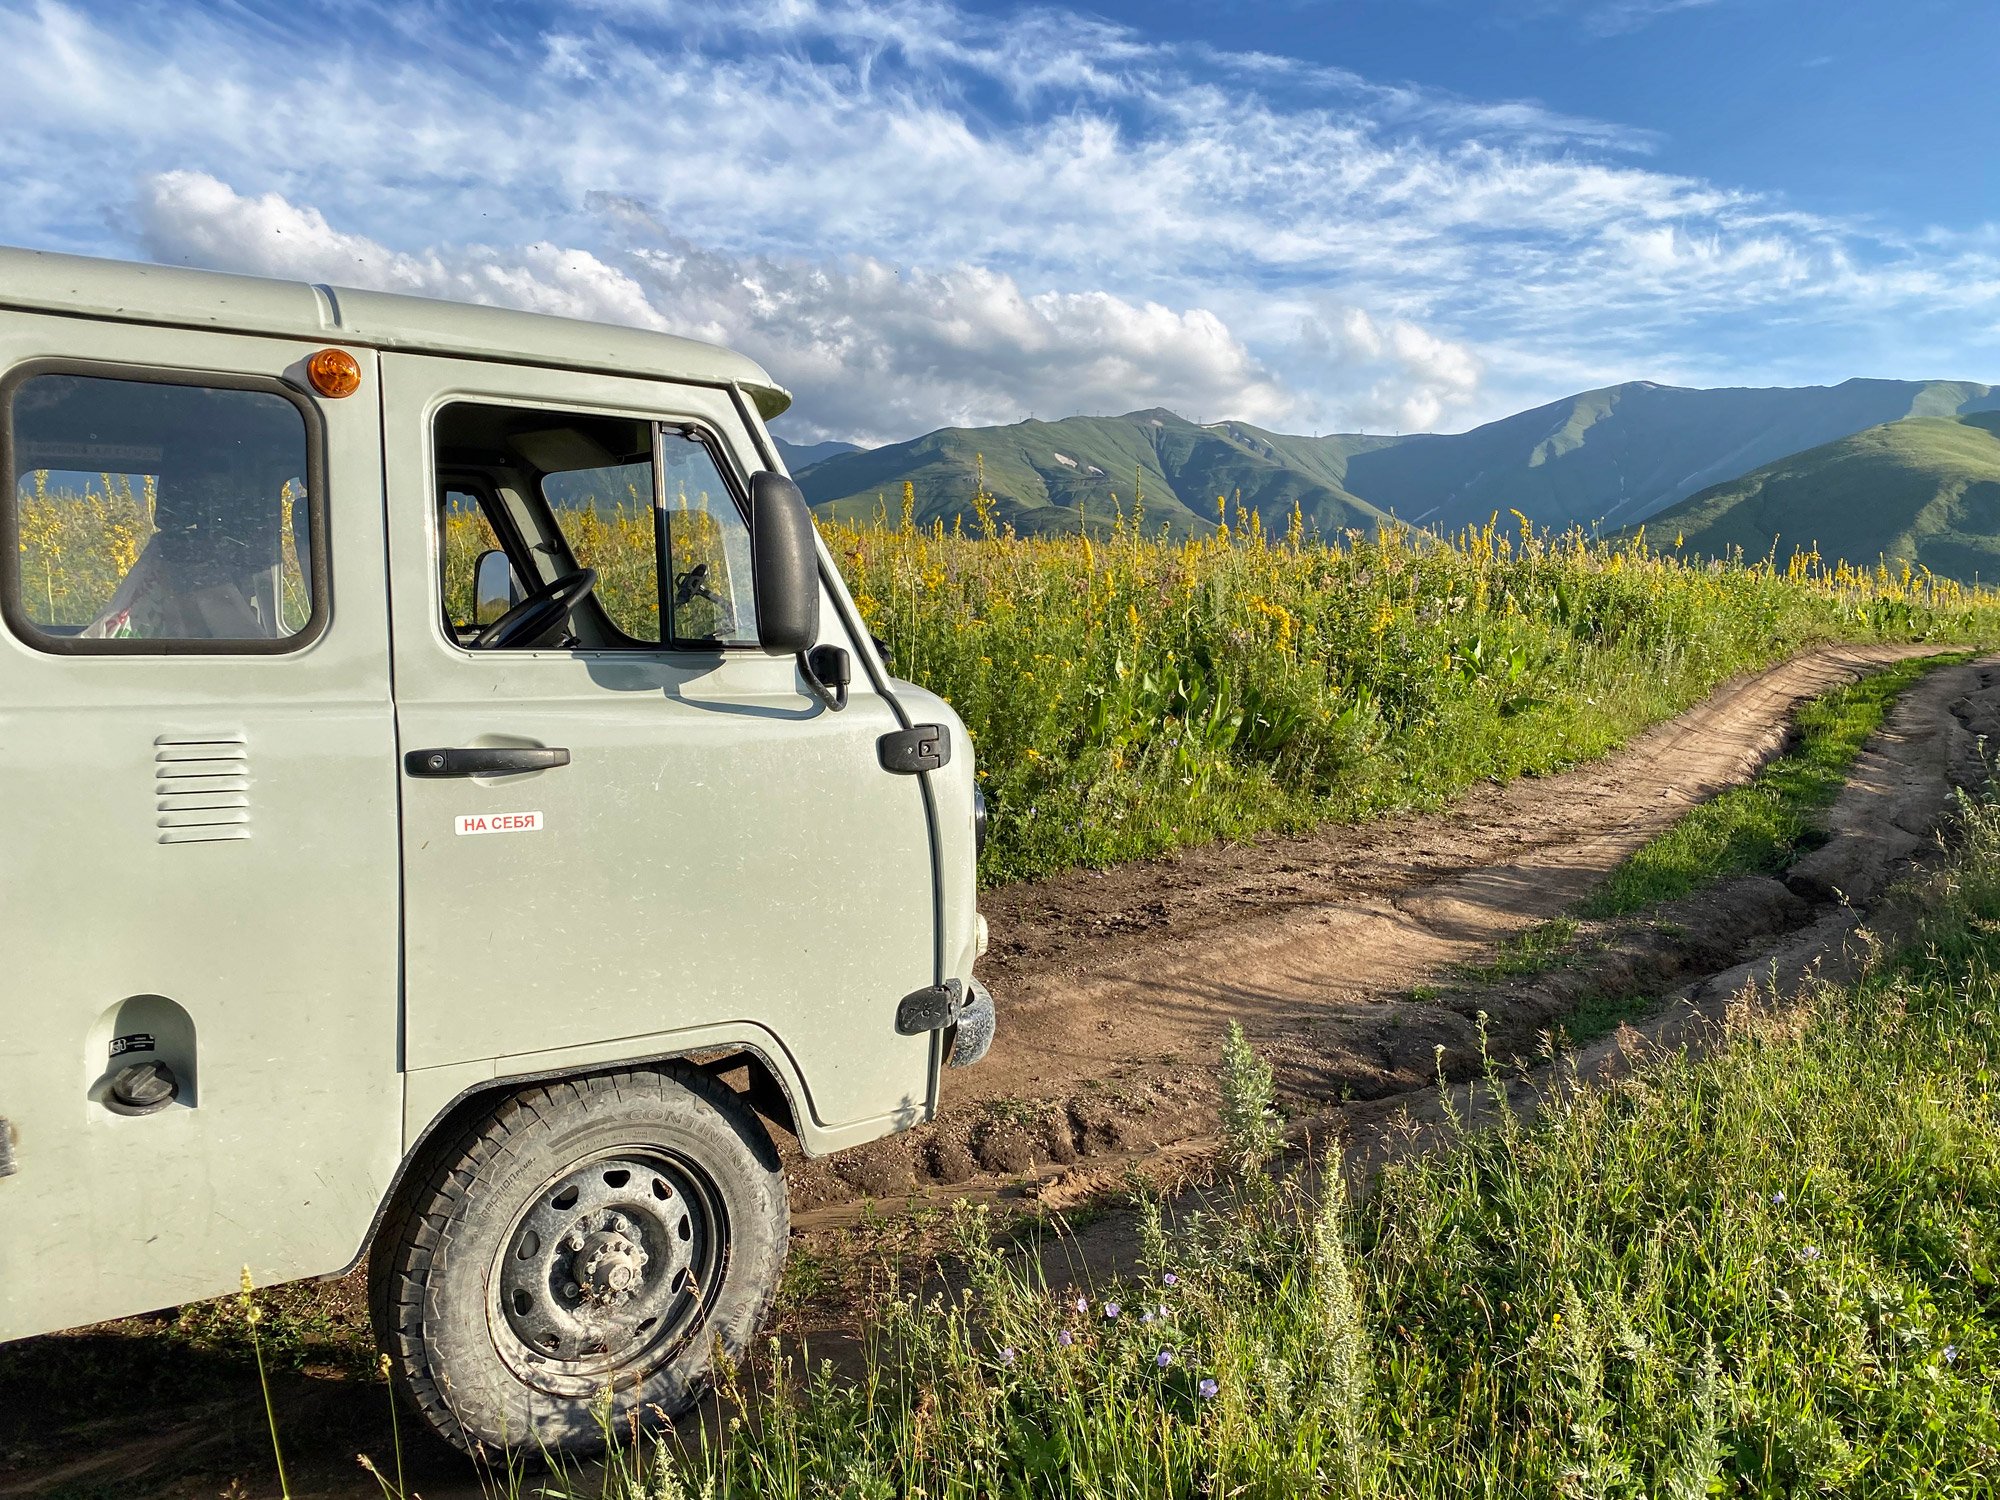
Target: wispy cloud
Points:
(1630, 15)
(1613, 17)
(915, 214)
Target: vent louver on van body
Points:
(202, 783)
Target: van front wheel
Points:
(584, 1240)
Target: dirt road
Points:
(1114, 987)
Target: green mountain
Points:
(1925, 490)
(1617, 455)
(1613, 456)
(1081, 471)
(799, 455)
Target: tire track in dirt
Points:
(1114, 987)
(1885, 824)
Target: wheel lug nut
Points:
(571, 1289)
(574, 1241)
(617, 1224)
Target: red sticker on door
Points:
(528, 822)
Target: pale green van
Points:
(450, 803)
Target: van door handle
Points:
(507, 762)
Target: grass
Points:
(78, 545)
(1755, 829)
(1771, 1270)
(1733, 1275)
(1604, 1012)
(1761, 828)
(1132, 695)
(1774, 1270)
(1545, 946)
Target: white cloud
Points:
(877, 352)
(870, 351)
(1419, 380)
(191, 218)
(1629, 15)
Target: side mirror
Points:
(784, 565)
(494, 590)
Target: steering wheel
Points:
(540, 613)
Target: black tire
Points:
(508, 1311)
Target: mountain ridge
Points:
(1084, 472)
(804, 455)
(1612, 456)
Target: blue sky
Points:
(1879, 110)
(1316, 215)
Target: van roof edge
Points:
(180, 296)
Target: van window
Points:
(147, 512)
(605, 512)
(613, 494)
(709, 544)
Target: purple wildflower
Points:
(1110, 1311)
(1147, 1316)
(1950, 1353)
(1171, 1279)
(1083, 1304)
(1779, 1196)
(1207, 1389)
(1007, 1356)
(1064, 1338)
(1164, 1358)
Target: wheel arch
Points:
(768, 1091)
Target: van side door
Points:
(198, 872)
(691, 850)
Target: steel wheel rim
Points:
(606, 1269)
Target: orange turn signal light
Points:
(333, 372)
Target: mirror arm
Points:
(827, 673)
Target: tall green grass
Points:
(1130, 695)
(1771, 1270)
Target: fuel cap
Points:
(144, 1088)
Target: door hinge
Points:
(921, 747)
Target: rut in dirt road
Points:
(1114, 987)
